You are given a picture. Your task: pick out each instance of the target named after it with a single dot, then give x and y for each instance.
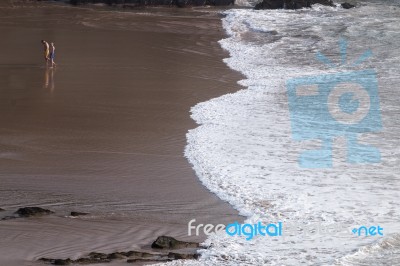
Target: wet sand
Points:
(104, 132)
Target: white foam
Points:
(243, 151)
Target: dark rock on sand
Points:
(150, 260)
(46, 260)
(8, 218)
(92, 258)
(78, 213)
(27, 212)
(32, 211)
(183, 256)
(291, 4)
(347, 5)
(56, 261)
(134, 253)
(129, 256)
(167, 242)
(162, 242)
(91, 261)
(141, 256)
(116, 256)
(62, 262)
(97, 256)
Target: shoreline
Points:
(105, 132)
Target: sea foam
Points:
(243, 150)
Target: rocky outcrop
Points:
(32, 211)
(27, 212)
(347, 5)
(141, 3)
(167, 242)
(75, 214)
(183, 256)
(133, 256)
(291, 4)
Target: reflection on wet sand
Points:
(49, 79)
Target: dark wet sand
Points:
(104, 132)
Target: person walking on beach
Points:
(46, 51)
(52, 54)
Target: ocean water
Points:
(244, 152)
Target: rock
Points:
(162, 242)
(46, 260)
(347, 5)
(32, 211)
(7, 218)
(185, 3)
(1, 210)
(91, 260)
(62, 262)
(153, 258)
(183, 256)
(220, 2)
(86, 261)
(116, 256)
(291, 4)
(149, 260)
(270, 4)
(98, 256)
(321, 2)
(138, 3)
(57, 261)
(78, 213)
(167, 242)
(139, 254)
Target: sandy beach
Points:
(105, 131)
